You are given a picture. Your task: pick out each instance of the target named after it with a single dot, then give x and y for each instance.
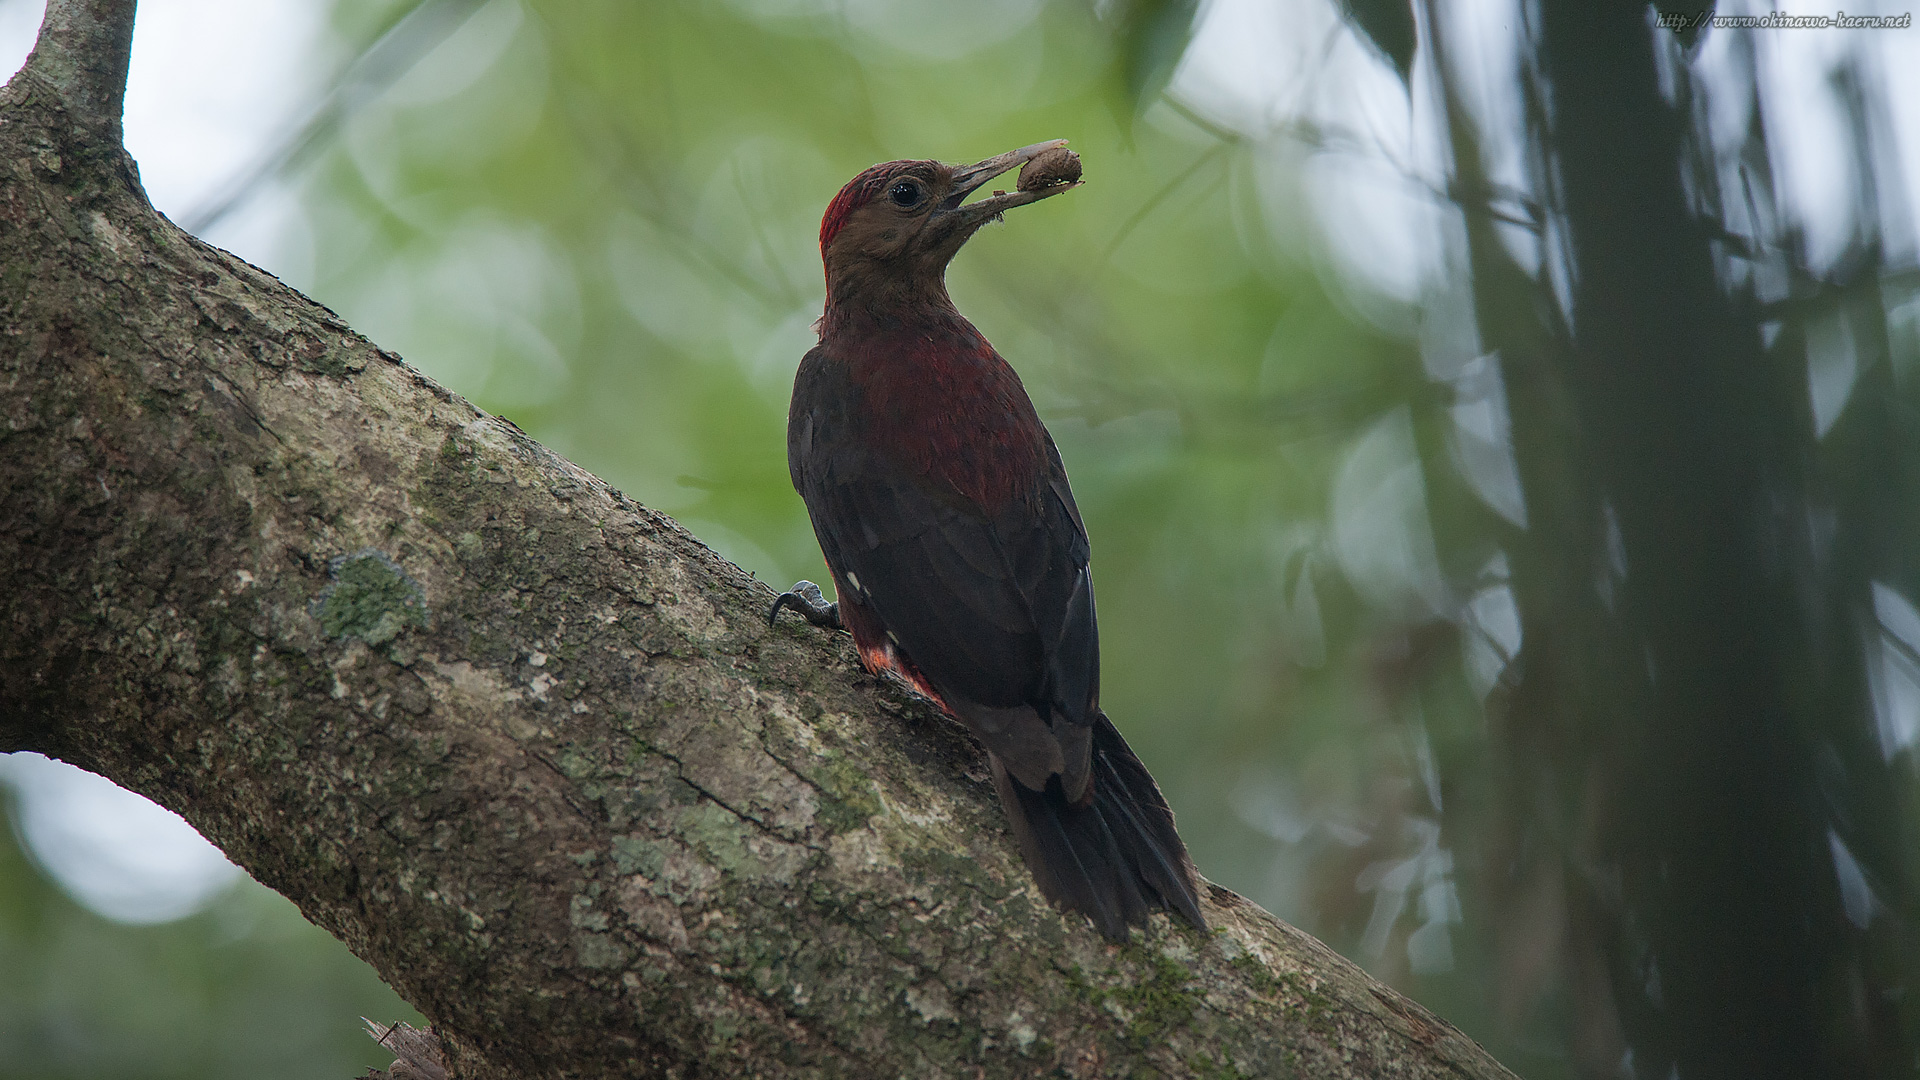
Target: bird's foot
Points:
(805, 597)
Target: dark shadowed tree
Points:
(1693, 829)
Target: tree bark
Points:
(524, 745)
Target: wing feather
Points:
(993, 606)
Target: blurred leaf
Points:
(1152, 36)
(1387, 25)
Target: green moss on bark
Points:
(371, 599)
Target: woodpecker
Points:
(959, 560)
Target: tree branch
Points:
(82, 54)
(524, 745)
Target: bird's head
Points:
(890, 233)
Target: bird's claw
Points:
(805, 597)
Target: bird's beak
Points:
(969, 178)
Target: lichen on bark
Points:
(370, 598)
(526, 746)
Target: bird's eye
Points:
(904, 193)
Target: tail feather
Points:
(1167, 868)
(1116, 858)
(1134, 905)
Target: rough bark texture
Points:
(526, 746)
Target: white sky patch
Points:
(1250, 64)
(1807, 134)
(19, 22)
(1808, 127)
(1272, 70)
(115, 852)
(1899, 71)
(1484, 40)
(211, 84)
(1893, 671)
(1380, 228)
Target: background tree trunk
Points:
(1684, 743)
(526, 746)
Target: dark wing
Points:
(996, 610)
